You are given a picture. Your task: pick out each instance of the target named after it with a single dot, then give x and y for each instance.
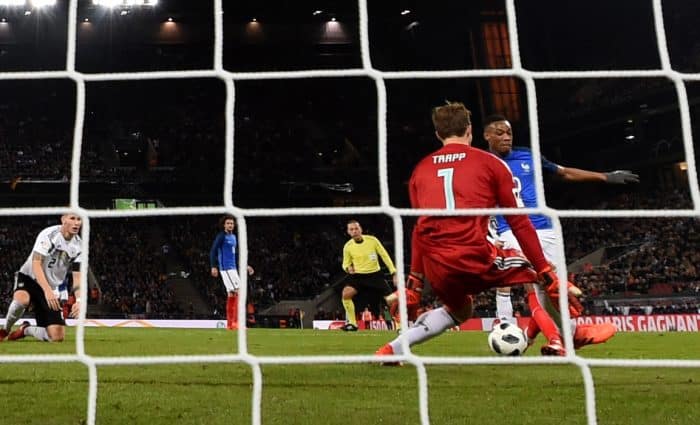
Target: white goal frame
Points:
(379, 77)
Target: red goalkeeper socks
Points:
(542, 319)
(532, 329)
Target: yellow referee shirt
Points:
(363, 256)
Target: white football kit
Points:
(60, 256)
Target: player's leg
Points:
(583, 334)
(231, 281)
(232, 310)
(504, 305)
(51, 333)
(593, 334)
(512, 268)
(50, 326)
(458, 307)
(346, 298)
(25, 289)
(429, 325)
(20, 302)
(546, 324)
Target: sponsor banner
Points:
(328, 324)
(650, 323)
(141, 323)
(374, 325)
(636, 323)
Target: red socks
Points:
(541, 319)
(232, 312)
(532, 329)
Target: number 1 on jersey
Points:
(446, 174)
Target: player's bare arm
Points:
(77, 292)
(37, 266)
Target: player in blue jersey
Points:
(499, 135)
(224, 262)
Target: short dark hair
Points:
(493, 118)
(223, 219)
(451, 119)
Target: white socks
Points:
(14, 313)
(504, 307)
(37, 332)
(428, 325)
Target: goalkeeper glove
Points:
(621, 177)
(575, 307)
(548, 278)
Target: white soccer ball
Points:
(507, 339)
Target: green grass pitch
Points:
(343, 394)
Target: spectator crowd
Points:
(298, 258)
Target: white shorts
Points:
(548, 240)
(231, 279)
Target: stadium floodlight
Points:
(12, 2)
(43, 3)
(405, 12)
(127, 3)
(107, 3)
(317, 12)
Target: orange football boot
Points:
(386, 350)
(593, 334)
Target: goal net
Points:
(230, 82)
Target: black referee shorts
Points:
(374, 282)
(44, 315)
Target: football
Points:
(507, 339)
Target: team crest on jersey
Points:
(64, 257)
(525, 166)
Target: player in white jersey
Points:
(56, 252)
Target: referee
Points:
(361, 261)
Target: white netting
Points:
(379, 77)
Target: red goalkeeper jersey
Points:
(460, 176)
